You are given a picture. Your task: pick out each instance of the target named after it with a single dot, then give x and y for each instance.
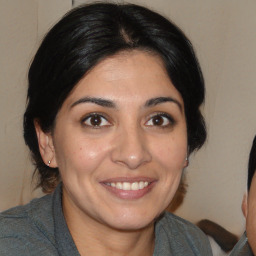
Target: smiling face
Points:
(120, 142)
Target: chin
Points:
(134, 220)
(132, 225)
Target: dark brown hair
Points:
(85, 36)
(251, 163)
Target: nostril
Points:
(131, 149)
(132, 161)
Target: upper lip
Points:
(128, 179)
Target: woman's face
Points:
(120, 142)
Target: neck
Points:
(113, 242)
(94, 238)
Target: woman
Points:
(112, 116)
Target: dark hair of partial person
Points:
(85, 36)
(252, 163)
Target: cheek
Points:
(79, 156)
(171, 152)
(171, 155)
(91, 155)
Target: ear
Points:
(186, 162)
(46, 147)
(244, 205)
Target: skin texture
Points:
(251, 213)
(132, 141)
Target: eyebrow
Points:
(111, 104)
(98, 101)
(159, 100)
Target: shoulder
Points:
(24, 227)
(182, 235)
(181, 226)
(242, 248)
(21, 219)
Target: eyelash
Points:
(169, 119)
(102, 118)
(95, 115)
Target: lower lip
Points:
(129, 194)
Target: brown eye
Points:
(161, 120)
(157, 120)
(95, 120)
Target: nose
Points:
(131, 148)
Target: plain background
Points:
(224, 36)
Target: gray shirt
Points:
(242, 248)
(39, 228)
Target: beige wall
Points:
(22, 24)
(223, 33)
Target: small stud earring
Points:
(187, 161)
(49, 162)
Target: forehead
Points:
(128, 75)
(122, 64)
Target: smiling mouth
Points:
(129, 188)
(129, 185)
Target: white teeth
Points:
(141, 185)
(129, 186)
(119, 185)
(126, 186)
(135, 186)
